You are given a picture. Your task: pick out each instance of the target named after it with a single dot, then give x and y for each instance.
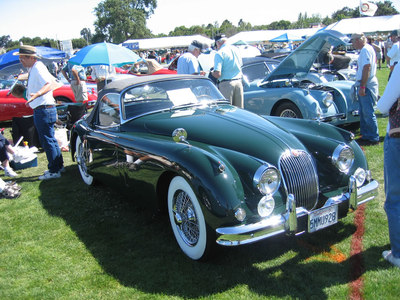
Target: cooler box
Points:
(24, 164)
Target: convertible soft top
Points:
(117, 86)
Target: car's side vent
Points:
(300, 177)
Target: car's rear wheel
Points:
(288, 110)
(187, 219)
(82, 157)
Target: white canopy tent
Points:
(366, 24)
(165, 42)
(258, 36)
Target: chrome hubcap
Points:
(288, 113)
(185, 218)
(82, 158)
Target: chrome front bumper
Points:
(288, 222)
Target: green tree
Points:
(86, 34)
(79, 43)
(5, 40)
(345, 13)
(282, 24)
(119, 20)
(228, 28)
(244, 26)
(385, 9)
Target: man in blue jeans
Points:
(391, 166)
(367, 85)
(41, 100)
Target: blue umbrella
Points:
(104, 54)
(10, 64)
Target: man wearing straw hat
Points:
(40, 98)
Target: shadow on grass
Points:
(138, 249)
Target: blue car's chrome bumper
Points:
(290, 220)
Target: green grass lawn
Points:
(63, 240)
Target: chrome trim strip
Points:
(285, 223)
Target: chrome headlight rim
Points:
(340, 160)
(263, 172)
(328, 99)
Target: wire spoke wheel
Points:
(187, 219)
(83, 156)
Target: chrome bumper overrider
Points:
(287, 222)
(340, 116)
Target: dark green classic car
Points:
(226, 176)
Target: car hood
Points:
(301, 60)
(223, 126)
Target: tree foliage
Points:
(385, 9)
(86, 34)
(303, 21)
(119, 20)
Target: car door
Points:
(102, 141)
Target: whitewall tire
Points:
(187, 219)
(82, 157)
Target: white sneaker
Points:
(8, 171)
(62, 170)
(390, 258)
(48, 175)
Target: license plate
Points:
(322, 218)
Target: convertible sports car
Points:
(225, 176)
(11, 106)
(290, 91)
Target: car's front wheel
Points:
(187, 219)
(288, 110)
(82, 157)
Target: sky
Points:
(64, 19)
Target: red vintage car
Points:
(11, 106)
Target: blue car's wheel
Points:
(187, 219)
(288, 110)
(82, 157)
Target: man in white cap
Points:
(41, 100)
(188, 63)
(367, 85)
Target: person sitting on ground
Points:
(4, 148)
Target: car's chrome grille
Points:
(300, 177)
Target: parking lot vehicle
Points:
(225, 176)
(292, 89)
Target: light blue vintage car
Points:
(285, 92)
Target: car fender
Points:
(214, 180)
(266, 101)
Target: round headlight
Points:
(360, 176)
(328, 100)
(343, 158)
(267, 179)
(266, 206)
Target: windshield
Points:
(258, 71)
(156, 96)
